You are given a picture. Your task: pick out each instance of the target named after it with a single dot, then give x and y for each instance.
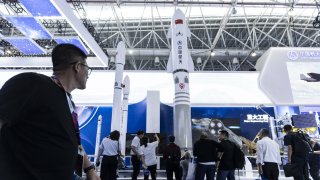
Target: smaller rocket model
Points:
(116, 107)
(180, 64)
(124, 119)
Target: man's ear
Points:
(76, 67)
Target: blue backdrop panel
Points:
(137, 114)
(137, 120)
(88, 129)
(250, 130)
(166, 119)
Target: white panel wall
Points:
(153, 112)
(206, 89)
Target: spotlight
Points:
(253, 54)
(234, 11)
(212, 53)
(60, 28)
(291, 12)
(112, 60)
(235, 60)
(199, 61)
(316, 22)
(130, 51)
(156, 61)
(47, 46)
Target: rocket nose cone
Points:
(178, 14)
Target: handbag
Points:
(120, 160)
(292, 170)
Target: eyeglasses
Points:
(89, 68)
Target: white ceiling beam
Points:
(65, 10)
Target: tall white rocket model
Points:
(124, 119)
(180, 64)
(116, 107)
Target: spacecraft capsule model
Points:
(180, 64)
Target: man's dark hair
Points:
(140, 132)
(115, 135)
(287, 127)
(203, 135)
(63, 55)
(264, 132)
(224, 132)
(172, 138)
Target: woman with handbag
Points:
(110, 149)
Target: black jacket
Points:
(205, 150)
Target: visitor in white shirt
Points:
(268, 156)
(136, 154)
(149, 158)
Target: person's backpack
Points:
(301, 145)
(239, 159)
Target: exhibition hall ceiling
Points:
(226, 35)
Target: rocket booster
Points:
(124, 120)
(116, 107)
(180, 64)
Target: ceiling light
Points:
(234, 10)
(112, 60)
(213, 53)
(199, 61)
(47, 46)
(130, 51)
(235, 60)
(291, 12)
(60, 28)
(253, 54)
(8, 51)
(156, 61)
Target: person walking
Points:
(268, 156)
(314, 160)
(298, 151)
(110, 149)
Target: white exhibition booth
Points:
(223, 88)
(277, 81)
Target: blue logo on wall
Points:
(85, 115)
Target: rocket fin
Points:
(169, 65)
(190, 64)
(169, 33)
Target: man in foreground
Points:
(39, 133)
